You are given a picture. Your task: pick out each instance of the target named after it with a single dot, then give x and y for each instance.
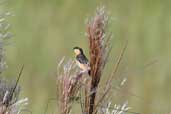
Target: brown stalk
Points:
(98, 50)
(117, 64)
(108, 83)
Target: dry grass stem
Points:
(99, 51)
(9, 102)
(68, 85)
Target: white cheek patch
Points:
(77, 52)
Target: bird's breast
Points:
(84, 67)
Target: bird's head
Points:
(78, 50)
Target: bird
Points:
(81, 60)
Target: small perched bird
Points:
(81, 60)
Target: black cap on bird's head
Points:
(78, 50)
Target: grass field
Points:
(46, 30)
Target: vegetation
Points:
(45, 31)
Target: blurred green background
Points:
(46, 30)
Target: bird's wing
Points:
(82, 59)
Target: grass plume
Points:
(68, 83)
(98, 50)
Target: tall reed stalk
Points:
(99, 51)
